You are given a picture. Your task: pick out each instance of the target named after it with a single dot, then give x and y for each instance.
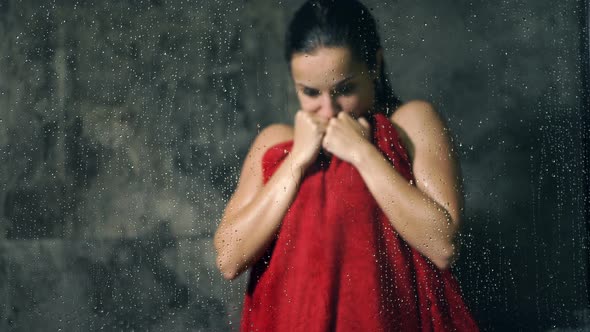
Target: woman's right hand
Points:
(307, 140)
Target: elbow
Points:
(442, 263)
(225, 267)
(223, 260)
(230, 276)
(447, 251)
(445, 257)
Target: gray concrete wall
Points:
(123, 126)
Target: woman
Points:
(348, 217)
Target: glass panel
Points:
(124, 127)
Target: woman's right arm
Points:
(254, 213)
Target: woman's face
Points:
(329, 81)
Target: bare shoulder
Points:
(417, 115)
(277, 132)
(268, 137)
(271, 135)
(418, 124)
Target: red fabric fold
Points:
(337, 263)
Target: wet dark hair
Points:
(341, 23)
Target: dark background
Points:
(123, 126)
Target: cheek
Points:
(306, 103)
(355, 103)
(367, 99)
(350, 103)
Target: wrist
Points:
(297, 163)
(365, 153)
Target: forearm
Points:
(418, 219)
(247, 232)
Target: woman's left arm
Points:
(427, 214)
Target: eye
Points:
(344, 90)
(310, 92)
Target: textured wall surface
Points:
(123, 126)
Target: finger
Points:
(313, 120)
(325, 143)
(329, 128)
(323, 122)
(364, 123)
(332, 124)
(343, 115)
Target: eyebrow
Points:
(339, 83)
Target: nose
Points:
(329, 106)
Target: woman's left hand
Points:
(346, 137)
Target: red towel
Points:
(337, 263)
